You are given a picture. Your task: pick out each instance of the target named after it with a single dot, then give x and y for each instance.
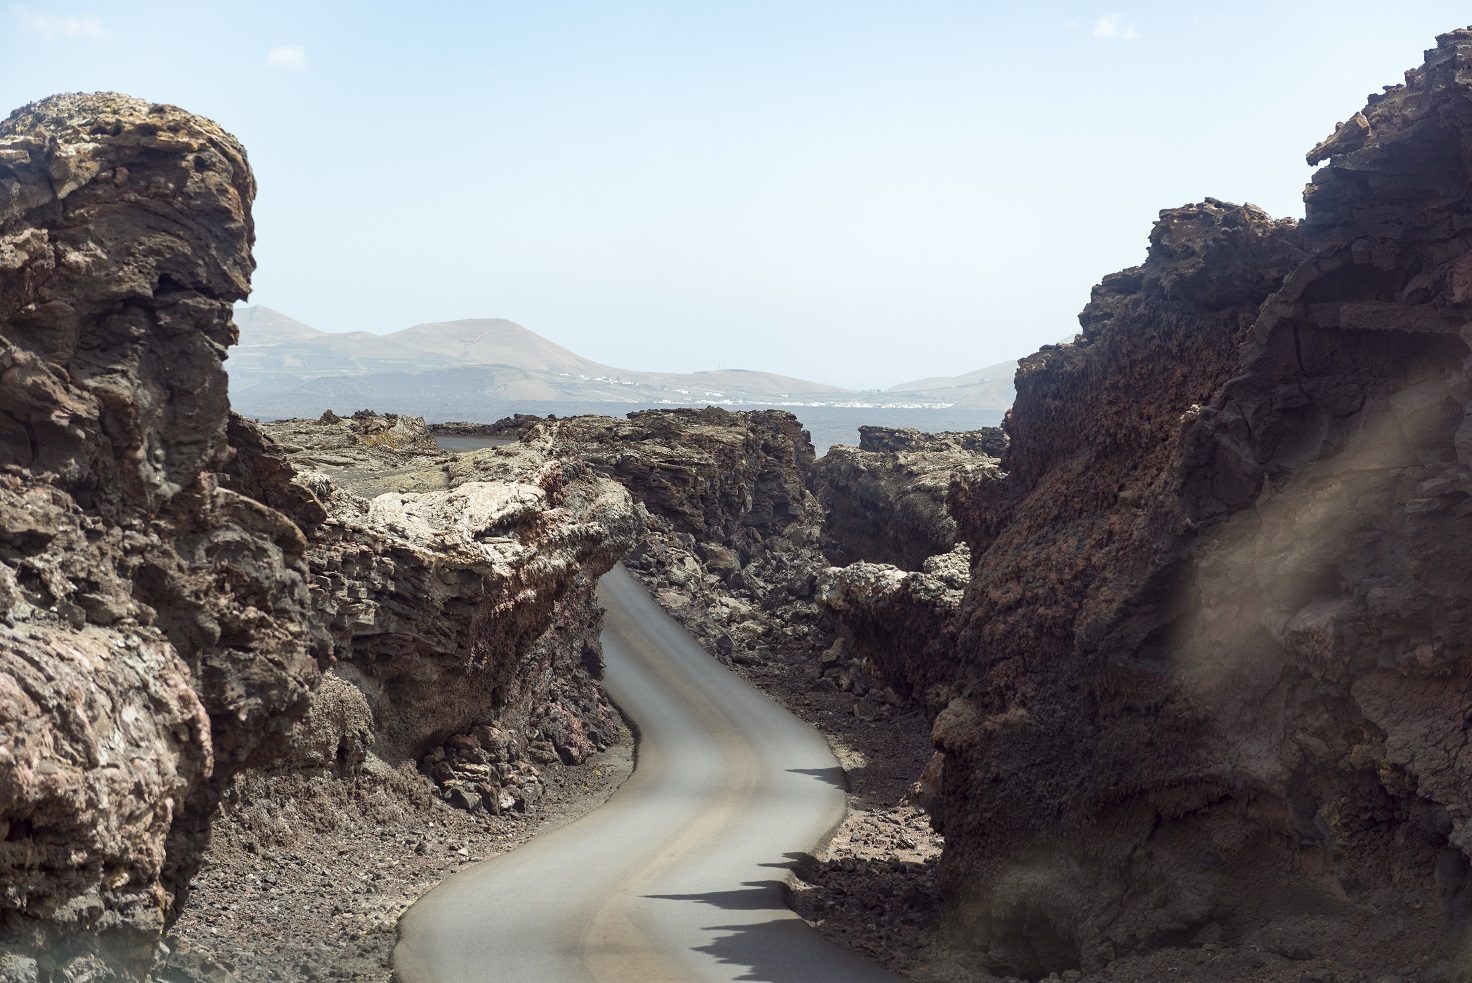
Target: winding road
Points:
(678, 878)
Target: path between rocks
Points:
(681, 875)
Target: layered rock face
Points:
(885, 501)
(898, 627)
(901, 573)
(461, 607)
(733, 532)
(155, 634)
(172, 584)
(1213, 659)
(719, 476)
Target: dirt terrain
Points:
(311, 878)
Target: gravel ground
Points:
(308, 876)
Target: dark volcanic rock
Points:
(731, 545)
(1216, 643)
(738, 479)
(155, 634)
(991, 441)
(512, 426)
(900, 626)
(172, 584)
(885, 501)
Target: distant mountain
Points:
(495, 341)
(282, 366)
(274, 347)
(267, 326)
(472, 368)
(989, 388)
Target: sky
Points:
(860, 193)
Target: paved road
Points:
(678, 877)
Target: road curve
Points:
(678, 877)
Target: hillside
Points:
(989, 388)
(474, 367)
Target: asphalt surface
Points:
(679, 876)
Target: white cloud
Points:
(56, 25)
(1111, 27)
(291, 57)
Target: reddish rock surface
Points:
(1215, 647)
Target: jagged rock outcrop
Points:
(463, 613)
(991, 441)
(895, 602)
(172, 585)
(732, 543)
(885, 501)
(155, 627)
(736, 478)
(1215, 649)
(510, 427)
(896, 626)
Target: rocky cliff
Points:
(900, 572)
(155, 626)
(717, 475)
(1211, 681)
(173, 581)
(885, 500)
(461, 605)
(898, 627)
(732, 543)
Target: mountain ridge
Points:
(282, 365)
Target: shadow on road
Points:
(757, 896)
(834, 776)
(776, 949)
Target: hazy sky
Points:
(855, 192)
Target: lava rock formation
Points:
(156, 630)
(1211, 670)
(172, 585)
(461, 606)
(885, 500)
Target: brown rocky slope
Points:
(1211, 671)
